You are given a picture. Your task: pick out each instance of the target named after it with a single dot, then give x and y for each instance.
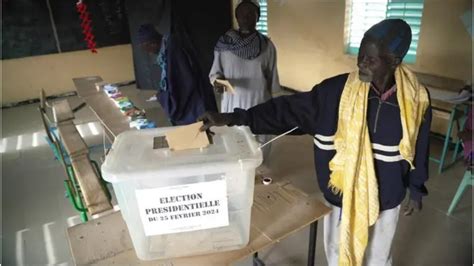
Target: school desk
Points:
(278, 210)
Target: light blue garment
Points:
(161, 60)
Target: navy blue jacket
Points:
(188, 93)
(316, 113)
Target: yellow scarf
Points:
(352, 168)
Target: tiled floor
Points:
(36, 212)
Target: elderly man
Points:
(248, 60)
(371, 136)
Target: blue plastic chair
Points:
(458, 116)
(467, 180)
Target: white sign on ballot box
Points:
(183, 208)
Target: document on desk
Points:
(227, 86)
(451, 97)
(187, 137)
(462, 97)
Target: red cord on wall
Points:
(86, 26)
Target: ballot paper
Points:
(462, 97)
(227, 86)
(110, 89)
(101, 84)
(187, 137)
(152, 99)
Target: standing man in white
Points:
(247, 59)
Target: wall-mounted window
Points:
(362, 14)
(262, 24)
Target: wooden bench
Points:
(72, 140)
(92, 196)
(62, 112)
(92, 188)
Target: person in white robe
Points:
(248, 60)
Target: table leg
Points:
(461, 124)
(257, 261)
(446, 140)
(313, 234)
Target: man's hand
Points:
(412, 207)
(212, 119)
(465, 135)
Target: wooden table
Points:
(445, 115)
(278, 210)
(113, 121)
